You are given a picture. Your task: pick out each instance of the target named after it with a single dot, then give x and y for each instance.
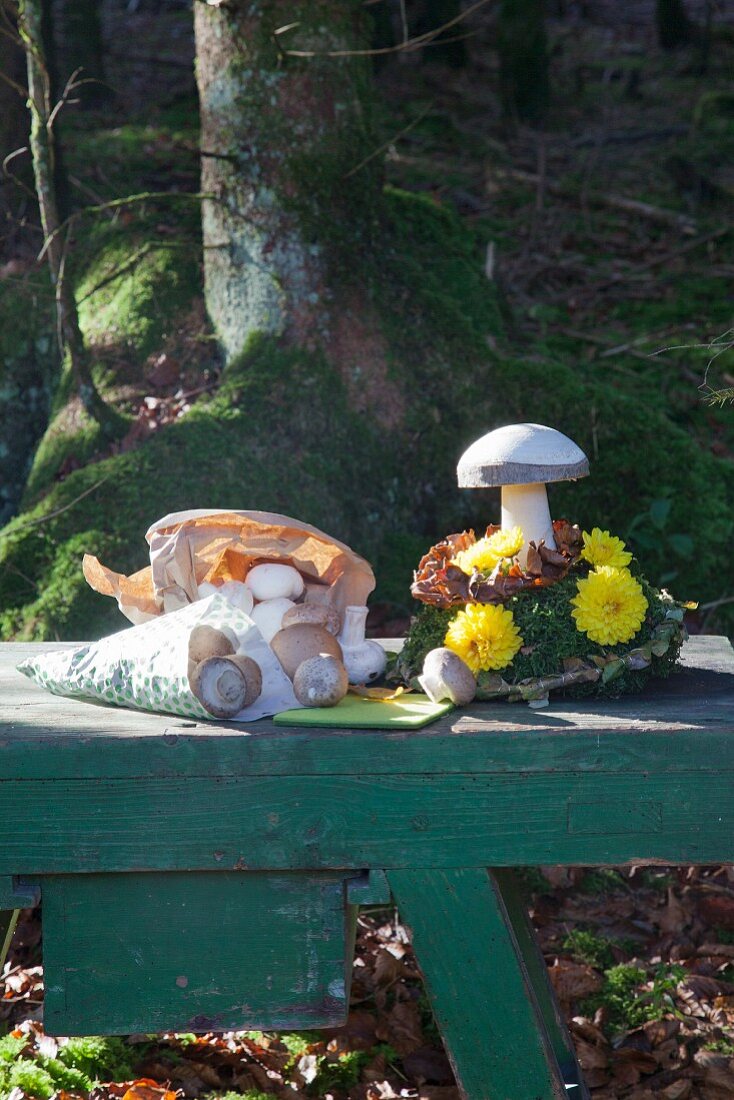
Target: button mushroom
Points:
(364, 659)
(446, 676)
(225, 685)
(268, 616)
(296, 644)
(313, 613)
(273, 580)
(320, 681)
(206, 641)
(522, 458)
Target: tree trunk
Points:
(673, 25)
(55, 236)
(286, 142)
(13, 122)
(523, 49)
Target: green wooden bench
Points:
(198, 877)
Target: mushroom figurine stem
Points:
(526, 506)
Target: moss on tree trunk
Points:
(285, 127)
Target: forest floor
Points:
(609, 238)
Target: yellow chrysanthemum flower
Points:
(485, 636)
(609, 606)
(485, 554)
(601, 548)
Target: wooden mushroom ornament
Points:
(522, 459)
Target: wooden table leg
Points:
(493, 1006)
(8, 921)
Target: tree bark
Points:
(55, 236)
(13, 117)
(523, 50)
(286, 142)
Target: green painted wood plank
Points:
(686, 723)
(514, 910)
(366, 821)
(194, 952)
(477, 985)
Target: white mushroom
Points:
(446, 676)
(238, 594)
(522, 458)
(272, 580)
(220, 686)
(268, 616)
(206, 589)
(297, 643)
(313, 613)
(364, 659)
(320, 681)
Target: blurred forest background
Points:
(385, 228)
(295, 255)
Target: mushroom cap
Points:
(313, 613)
(320, 681)
(268, 616)
(253, 677)
(206, 641)
(295, 644)
(446, 676)
(274, 580)
(521, 454)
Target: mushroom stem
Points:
(526, 506)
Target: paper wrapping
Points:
(187, 548)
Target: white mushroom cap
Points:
(238, 594)
(273, 580)
(268, 616)
(446, 676)
(521, 454)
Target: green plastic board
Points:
(356, 712)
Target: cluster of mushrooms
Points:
(319, 654)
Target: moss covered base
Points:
(304, 431)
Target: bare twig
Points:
(408, 46)
(386, 144)
(56, 511)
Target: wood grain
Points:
(477, 984)
(193, 952)
(283, 822)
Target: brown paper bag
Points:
(187, 548)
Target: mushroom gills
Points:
(220, 685)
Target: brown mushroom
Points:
(220, 685)
(320, 681)
(253, 677)
(313, 613)
(296, 644)
(205, 641)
